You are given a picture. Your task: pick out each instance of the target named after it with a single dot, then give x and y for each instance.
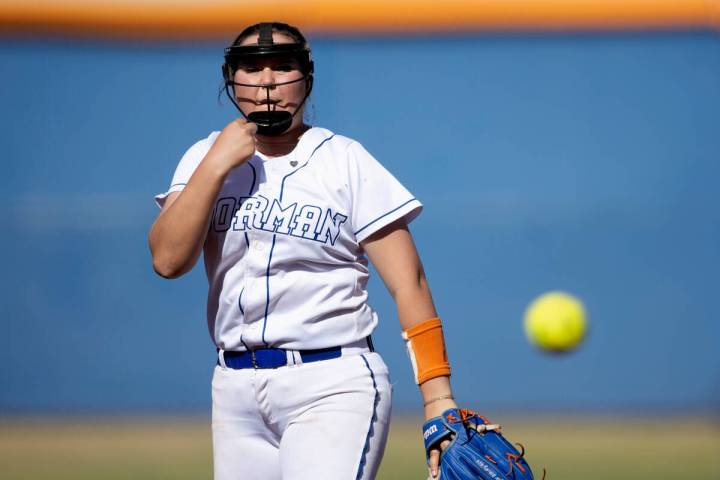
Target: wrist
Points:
(429, 401)
(216, 166)
(435, 387)
(436, 408)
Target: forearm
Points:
(177, 236)
(414, 302)
(415, 305)
(393, 253)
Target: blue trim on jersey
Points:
(385, 215)
(176, 185)
(282, 184)
(361, 467)
(247, 240)
(247, 349)
(267, 272)
(252, 186)
(250, 192)
(240, 301)
(243, 312)
(267, 284)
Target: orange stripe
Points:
(220, 19)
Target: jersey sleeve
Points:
(186, 167)
(377, 197)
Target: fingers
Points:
(434, 461)
(249, 126)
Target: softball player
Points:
(287, 216)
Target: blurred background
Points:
(555, 145)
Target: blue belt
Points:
(277, 357)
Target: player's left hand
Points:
(476, 449)
(431, 411)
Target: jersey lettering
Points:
(223, 214)
(331, 226)
(257, 213)
(279, 218)
(250, 213)
(306, 222)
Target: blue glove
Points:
(477, 450)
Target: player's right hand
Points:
(235, 145)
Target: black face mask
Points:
(272, 121)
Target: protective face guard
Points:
(272, 121)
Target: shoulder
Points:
(204, 144)
(322, 137)
(328, 143)
(194, 155)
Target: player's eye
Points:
(249, 68)
(284, 67)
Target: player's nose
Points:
(267, 77)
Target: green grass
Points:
(570, 449)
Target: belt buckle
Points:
(252, 356)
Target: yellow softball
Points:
(556, 321)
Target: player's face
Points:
(272, 70)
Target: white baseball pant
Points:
(322, 420)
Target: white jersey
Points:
(283, 256)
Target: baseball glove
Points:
(477, 449)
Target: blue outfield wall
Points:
(585, 163)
